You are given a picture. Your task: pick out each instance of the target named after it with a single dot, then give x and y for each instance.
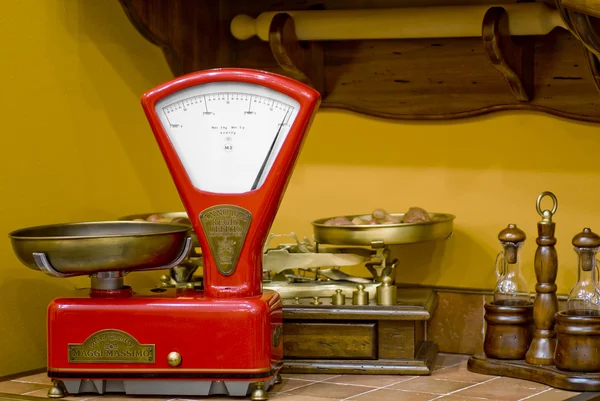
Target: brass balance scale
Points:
(363, 325)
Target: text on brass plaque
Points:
(225, 227)
(111, 346)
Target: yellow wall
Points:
(75, 144)
(76, 147)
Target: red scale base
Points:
(105, 344)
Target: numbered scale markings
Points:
(227, 134)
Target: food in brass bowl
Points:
(167, 217)
(380, 216)
(90, 247)
(415, 225)
(170, 217)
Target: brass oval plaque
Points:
(225, 227)
(111, 346)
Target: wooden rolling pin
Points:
(400, 23)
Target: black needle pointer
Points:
(262, 169)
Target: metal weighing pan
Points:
(92, 247)
(440, 227)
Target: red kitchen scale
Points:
(230, 138)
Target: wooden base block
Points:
(548, 375)
(360, 339)
(422, 364)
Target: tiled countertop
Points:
(451, 381)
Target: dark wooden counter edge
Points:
(22, 374)
(549, 375)
(366, 312)
(421, 365)
(16, 397)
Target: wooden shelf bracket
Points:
(303, 61)
(514, 61)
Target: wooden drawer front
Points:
(310, 340)
(400, 339)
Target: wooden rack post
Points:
(543, 345)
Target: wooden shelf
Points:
(408, 79)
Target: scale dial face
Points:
(227, 134)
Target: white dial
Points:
(227, 134)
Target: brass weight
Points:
(360, 296)
(338, 298)
(387, 293)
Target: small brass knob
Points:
(316, 301)
(297, 300)
(174, 359)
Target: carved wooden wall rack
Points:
(409, 78)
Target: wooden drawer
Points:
(327, 340)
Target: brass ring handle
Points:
(554, 205)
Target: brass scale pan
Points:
(91, 247)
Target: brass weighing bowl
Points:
(440, 227)
(92, 247)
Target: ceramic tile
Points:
(451, 377)
(393, 395)
(123, 397)
(460, 373)
(311, 377)
(503, 389)
(190, 398)
(277, 396)
(430, 385)
(12, 387)
(199, 398)
(330, 390)
(43, 393)
(40, 378)
(293, 397)
(457, 323)
(553, 395)
(369, 380)
(288, 384)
